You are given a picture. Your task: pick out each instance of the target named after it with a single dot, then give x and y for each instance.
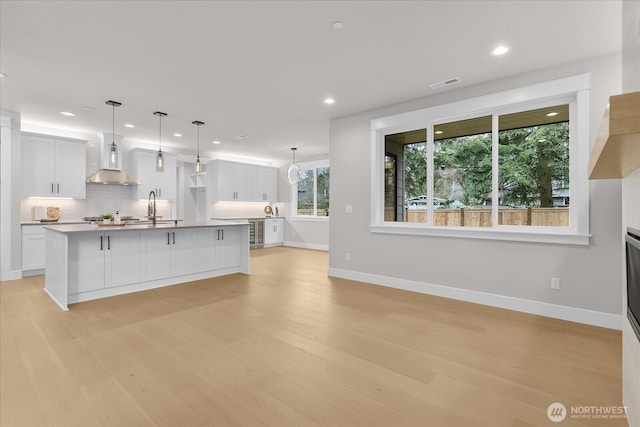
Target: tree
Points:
(415, 169)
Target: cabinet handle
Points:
(159, 192)
(222, 234)
(58, 188)
(168, 239)
(217, 234)
(108, 242)
(174, 237)
(101, 248)
(52, 188)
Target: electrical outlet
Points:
(555, 283)
(347, 256)
(348, 209)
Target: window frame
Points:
(313, 165)
(574, 91)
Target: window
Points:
(503, 166)
(311, 195)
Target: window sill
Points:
(309, 218)
(535, 235)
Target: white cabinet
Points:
(273, 232)
(143, 168)
(241, 182)
(33, 247)
(102, 260)
(218, 248)
(53, 167)
(168, 252)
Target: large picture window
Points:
(311, 194)
(502, 166)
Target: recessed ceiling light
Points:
(216, 142)
(338, 25)
(439, 132)
(551, 114)
(177, 135)
(329, 101)
(500, 50)
(129, 125)
(67, 113)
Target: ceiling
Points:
(263, 68)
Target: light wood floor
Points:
(288, 346)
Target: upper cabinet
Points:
(241, 182)
(53, 166)
(616, 152)
(163, 184)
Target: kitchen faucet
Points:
(151, 210)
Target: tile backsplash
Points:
(100, 199)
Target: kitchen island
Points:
(87, 261)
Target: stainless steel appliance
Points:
(256, 233)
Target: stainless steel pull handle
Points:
(174, 237)
(52, 188)
(222, 234)
(58, 188)
(101, 248)
(168, 239)
(109, 242)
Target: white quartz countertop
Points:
(53, 222)
(82, 228)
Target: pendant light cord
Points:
(160, 135)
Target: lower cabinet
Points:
(273, 232)
(101, 260)
(33, 247)
(168, 252)
(218, 248)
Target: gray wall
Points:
(590, 275)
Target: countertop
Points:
(245, 218)
(53, 222)
(85, 227)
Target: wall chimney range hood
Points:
(111, 158)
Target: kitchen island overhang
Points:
(86, 261)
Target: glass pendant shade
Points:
(160, 155)
(159, 162)
(293, 174)
(198, 164)
(113, 156)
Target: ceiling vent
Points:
(447, 82)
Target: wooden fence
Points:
(549, 217)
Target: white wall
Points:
(512, 271)
(631, 211)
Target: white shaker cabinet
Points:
(143, 168)
(218, 248)
(168, 252)
(273, 232)
(53, 166)
(99, 260)
(33, 248)
(241, 182)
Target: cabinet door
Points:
(156, 254)
(38, 166)
(183, 248)
(86, 262)
(33, 247)
(144, 170)
(266, 184)
(122, 261)
(228, 247)
(167, 181)
(273, 231)
(206, 241)
(226, 181)
(71, 158)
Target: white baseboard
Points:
(579, 315)
(313, 246)
(12, 275)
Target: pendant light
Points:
(113, 149)
(294, 170)
(198, 164)
(160, 156)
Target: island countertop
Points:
(83, 228)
